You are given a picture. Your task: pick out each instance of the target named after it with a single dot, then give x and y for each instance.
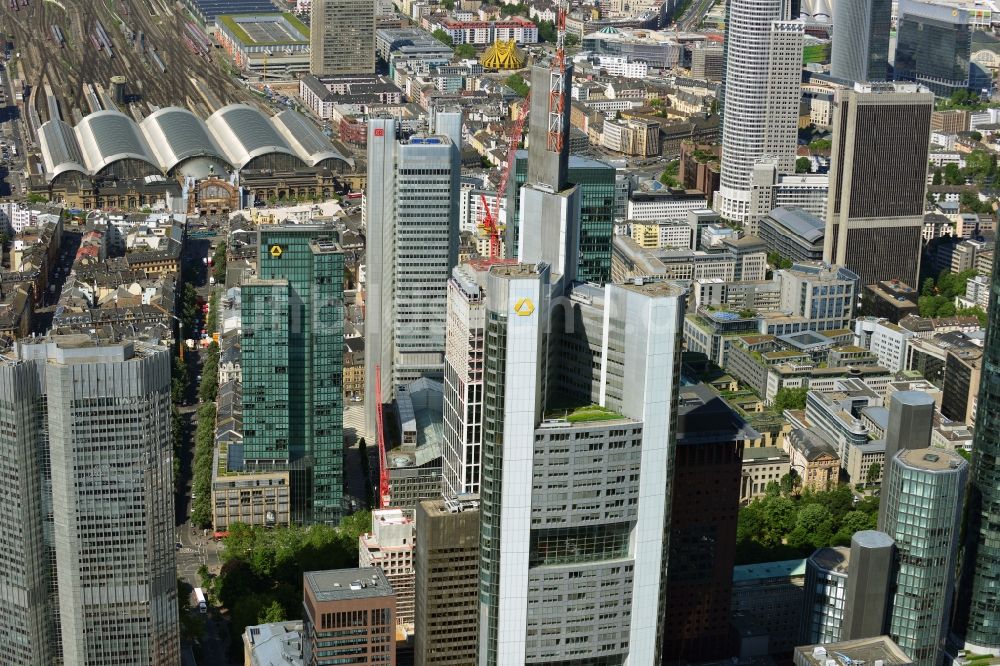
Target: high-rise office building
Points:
(463, 378)
(86, 443)
(869, 585)
(348, 614)
(924, 493)
(342, 37)
(860, 50)
(848, 590)
(710, 439)
(827, 572)
(911, 419)
(762, 96)
(389, 547)
(412, 245)
(934, 44)
(447, 583)
(292, 345)
(596, 181)
(978, 604)
(583, 493)
(874, 223)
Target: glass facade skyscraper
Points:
(88, 558)
(596, 181)
(978, 616)
(924, 493)
(860, 50)
(933, 44)
(293, 351)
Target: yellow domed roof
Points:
(503, 55)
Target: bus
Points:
(199, 596)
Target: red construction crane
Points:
(491, 216)
(383, 466)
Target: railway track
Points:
(68, 69)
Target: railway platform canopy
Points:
(175, 142)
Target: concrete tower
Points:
(762, 95)
(342, 37)
(911, 415)
(412, 230)
(874, 224)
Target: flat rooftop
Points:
(341, 584)
(266, 29)
(864, 650)
(748, 573)
(931, 459)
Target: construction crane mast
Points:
(557, 81)
(383, 465)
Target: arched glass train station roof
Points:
(234, 135)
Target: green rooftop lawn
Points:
(584, 414)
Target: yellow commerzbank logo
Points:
(524, 307)
(275, 251)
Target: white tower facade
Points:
(761, 104)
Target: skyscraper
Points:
(582, 492)
(911, 419)
(293, 329)
(869, 586)
(934, 44)
(860, 50)
(447, 583)
(412, 245)
(709, 454)
(342, 37)
(924, 491)
(762, 96)
(89, 570)
(596, 181)
(463, 378)
(874, 222)
(979, 598)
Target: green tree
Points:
(572, 40)
(219, 263)
(443, 37)
(874, 472)
(188, 308)
(820, 145)
(546, 31)
(516, 83)
(976, 136)
(790, 398)
(853, 522)
(212, 320)
(953, 175)
(520, 9)
(465, 51)
(789, 482)
(779, 518)
(669, 175)
(803, 165)
(977, 312)
(275, 612)
(448, 4)
(813, 527)
(928, 288)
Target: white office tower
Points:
(412, 234)
(88, 566)
(577, 465)
(762, 92)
